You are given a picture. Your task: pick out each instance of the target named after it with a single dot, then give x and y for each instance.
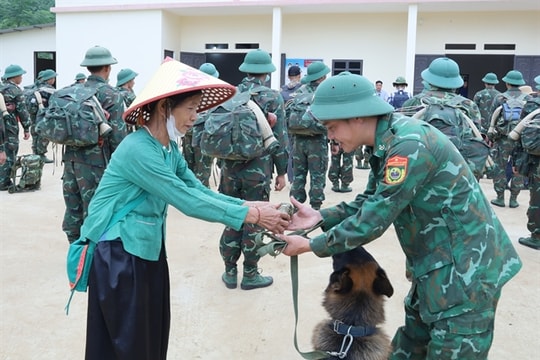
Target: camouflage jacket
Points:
(457, 249)
(127, 95)
(112, 102)
(14, 99)
(32, 104)
(262, 167)
(483, 99)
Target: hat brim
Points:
(395, 84)
(174, 77)
(441, 81)
(257, 68)
(372, 106)
(125, 80)
(513, 81)
(312, 77)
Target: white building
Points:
(380, 39)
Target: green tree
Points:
(16, 13)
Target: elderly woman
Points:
(128, 286)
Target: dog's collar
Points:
(355, 331)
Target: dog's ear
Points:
(340, 282)
(381, 284)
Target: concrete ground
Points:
(209, 321)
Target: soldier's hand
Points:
(280, 183)
(3, 157)
(305, 217)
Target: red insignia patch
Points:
(396, 170)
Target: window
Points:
(353, 66)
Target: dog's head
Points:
(357, 271)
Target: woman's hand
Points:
(304, 218)
(267, 215)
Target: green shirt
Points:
(140, 165)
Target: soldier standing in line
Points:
(80, 78)
(484, 98)
(310, 149)
(341, 168)
(294, 74)
(125, 81)
(459, 251)
(14, 113)
(84, 166)
(251, 180)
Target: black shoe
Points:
(345, 188)
(6, 186)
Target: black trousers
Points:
(128, 305)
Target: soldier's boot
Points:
(316, 205)
(531, 241)
(252, 279)
(513, 201)
(499, 201)
(335, 186)
(345, 188)
(229, 277)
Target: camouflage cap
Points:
(98, 56)
(490, 78)
(257, 62)
(13, 71)
(47, 74)
(315, 71)
(210, 69)
(124, 76)
(514, 77)
(443, 73)
(347, 96)
(172, 78)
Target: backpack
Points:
(34, 100)
(235, 130)
(30, 174)
(528, 132)
(506, 116)
(398, 98)
(295, 109)
(446, 116)
(74, 117)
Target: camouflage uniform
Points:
(127, 95)
(483, 99)
(39, 143)
(310, 154)
(533, 173)
(250, 180)
(362, 155)
(501, 151)
(341, 168)
(84, 166)
(200, 164)
(14, 100)
(459, 252)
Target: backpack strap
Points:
(39, 99)
(515, 134)
(123, 212)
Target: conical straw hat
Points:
(172, 78)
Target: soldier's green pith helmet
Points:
(443, 73)
(13, 71)
(400, 80)
(315, 71)
(47, 74)
(537, 81)
(209, 69)
(124, 76)
(80, 76)
(257, 62)
(98, 56)
(347, 96)
(514, 77)
(490, 78)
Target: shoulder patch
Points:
(396, 170)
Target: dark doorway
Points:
(474, 67)
(44, 60)
(227, 64)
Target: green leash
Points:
(274, 248)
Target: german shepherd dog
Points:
(354, 300)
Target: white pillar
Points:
(411, 45)
(276, 47)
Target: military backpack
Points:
(528, 133)
(447, 116)
(28, 169)
(300, 120)
(74, 117)
(507, 116)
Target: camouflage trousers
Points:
(341, 168)
(466, 336)
(79, 183)
(310, 154)
(11, 147)
(39, 143)
(234, 243)
(533, 212)
(501, 151)
(200, 164)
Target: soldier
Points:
(14, 113)
(503, 147)
(459, 253)
(310, 150)
(84, 167)
(200, 164)
(484, 98)
(294, 73)
(250, 180)
(398, 97)
(533, 173)
(80, 78)
(125, 80)
(341, 168)
(44, 85)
